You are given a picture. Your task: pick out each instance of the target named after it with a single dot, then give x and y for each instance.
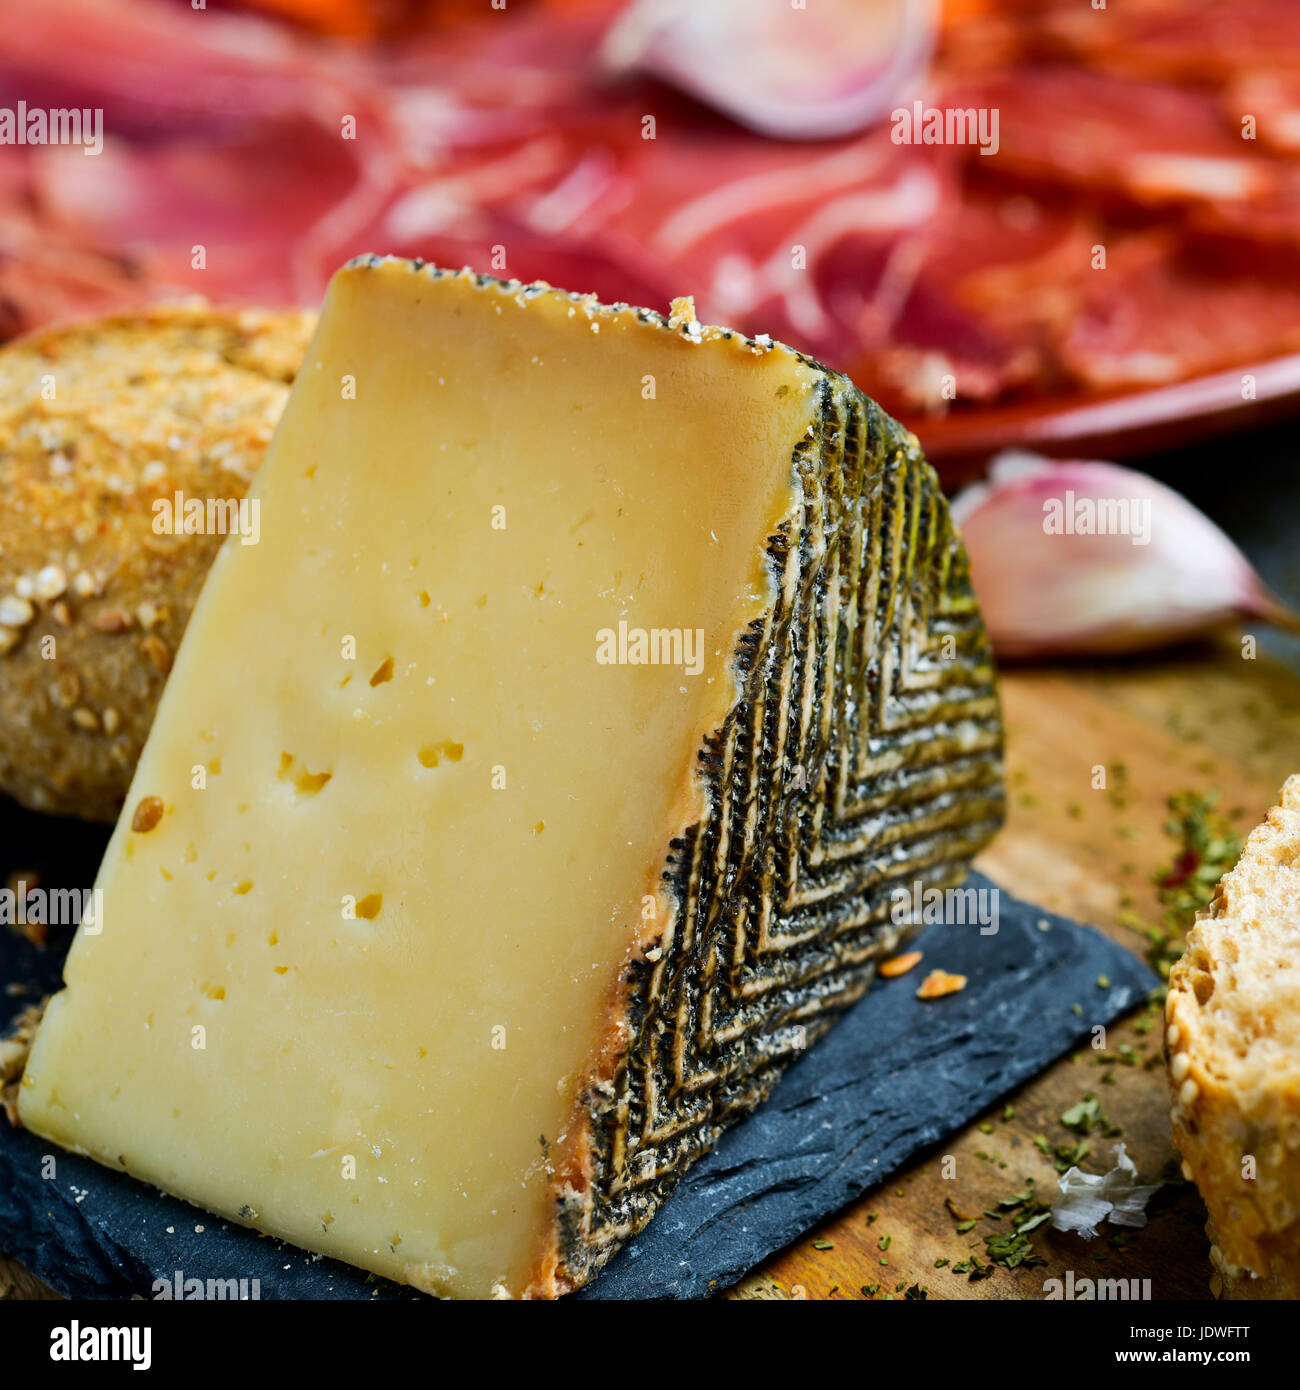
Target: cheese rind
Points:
(489, 927)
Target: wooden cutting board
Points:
(1197, 720)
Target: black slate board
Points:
(893, 1077)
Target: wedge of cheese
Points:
(531, 793)
(1233, 1048)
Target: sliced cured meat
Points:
(1189, 40)
(1272, 100)
(972, 318)
(155, 68)
(46, 278)
(45, 275)
(224, 132)
(1145, 142)
(1255, 228)
(757, 230)
(222, 218)
(1159, 315)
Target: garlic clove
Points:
(1087, 557)
(794, 72)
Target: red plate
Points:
(1116, 426)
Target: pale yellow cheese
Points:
(413, 826)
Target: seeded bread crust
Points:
(1233, 1049)
(98, 420)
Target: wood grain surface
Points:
(1196, 720)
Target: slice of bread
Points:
(1233, 1049)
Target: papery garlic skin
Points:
(1170, 575)
(1085, 1200)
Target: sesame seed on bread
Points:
(98, 420)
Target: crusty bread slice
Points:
(1233, 1048)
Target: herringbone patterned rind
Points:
(864, 754)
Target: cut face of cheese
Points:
(531, 793)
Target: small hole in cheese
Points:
(147, 814)
(384, 673)
(245, 887)
(434, 753)
(306, 782)
(370, 906)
